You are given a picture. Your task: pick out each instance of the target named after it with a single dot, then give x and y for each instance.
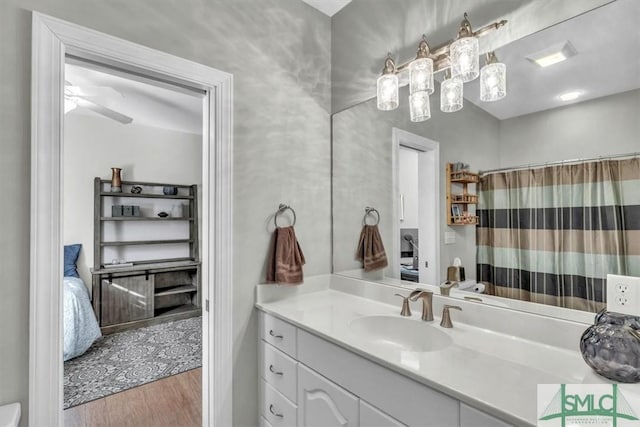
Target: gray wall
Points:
(362, 170)
(603, 126)
(279, 54)
(365, 30)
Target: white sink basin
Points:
(401, 333)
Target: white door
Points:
(427, 184)
(322, 403)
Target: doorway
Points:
(53, 40)
(416, 207)
(133, 249)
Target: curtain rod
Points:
(558, 162)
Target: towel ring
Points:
(280, 210)
(369, 211)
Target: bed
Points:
(80, 326)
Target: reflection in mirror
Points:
(554, 219)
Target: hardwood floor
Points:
(175, 401)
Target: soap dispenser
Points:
(455, 273)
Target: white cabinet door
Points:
(373, 417)
(322, 403)
(471, 417)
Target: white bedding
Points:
(80, 326)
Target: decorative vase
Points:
(611, 346)
(116, 181)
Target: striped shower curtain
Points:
(551, 235)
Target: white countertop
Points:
(493, 372)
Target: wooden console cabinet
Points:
(152, 290)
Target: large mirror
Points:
(565, 137)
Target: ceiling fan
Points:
(74, 97)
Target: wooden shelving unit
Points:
(150, 291)
(459, 198)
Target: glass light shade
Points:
(493, 82)
(387, 92)
(421, 76)
(451, 95)
(419, 106)
(464, 59)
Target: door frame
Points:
(52, 40)
(428, 201)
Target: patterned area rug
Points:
(123, 360)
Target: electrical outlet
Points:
(623, 294)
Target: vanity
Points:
(335, 351)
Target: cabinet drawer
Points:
(396, 395)
(275, 408)
(278, 333)
(279, 370)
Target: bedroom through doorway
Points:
(132, 196)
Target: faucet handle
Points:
(446, 316)
(406, 310)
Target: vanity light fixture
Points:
(451, 93)
(459, 57)
(421, 70)
(388, 86)
(464, 53)
(493, 79)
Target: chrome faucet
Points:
(445, 287)
(446, 317)
(406, 310)
(427, 303)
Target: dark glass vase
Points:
(611, 346)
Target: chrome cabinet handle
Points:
(274, 335)
(274, 412)
(274, 371)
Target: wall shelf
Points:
(458, 204)
(145, 196)
(146, 242)
(143, 218)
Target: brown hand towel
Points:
(285, 258)
(370, 249)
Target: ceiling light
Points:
(493, 79)
(570, 96)
(459, 56)
(553, 54)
